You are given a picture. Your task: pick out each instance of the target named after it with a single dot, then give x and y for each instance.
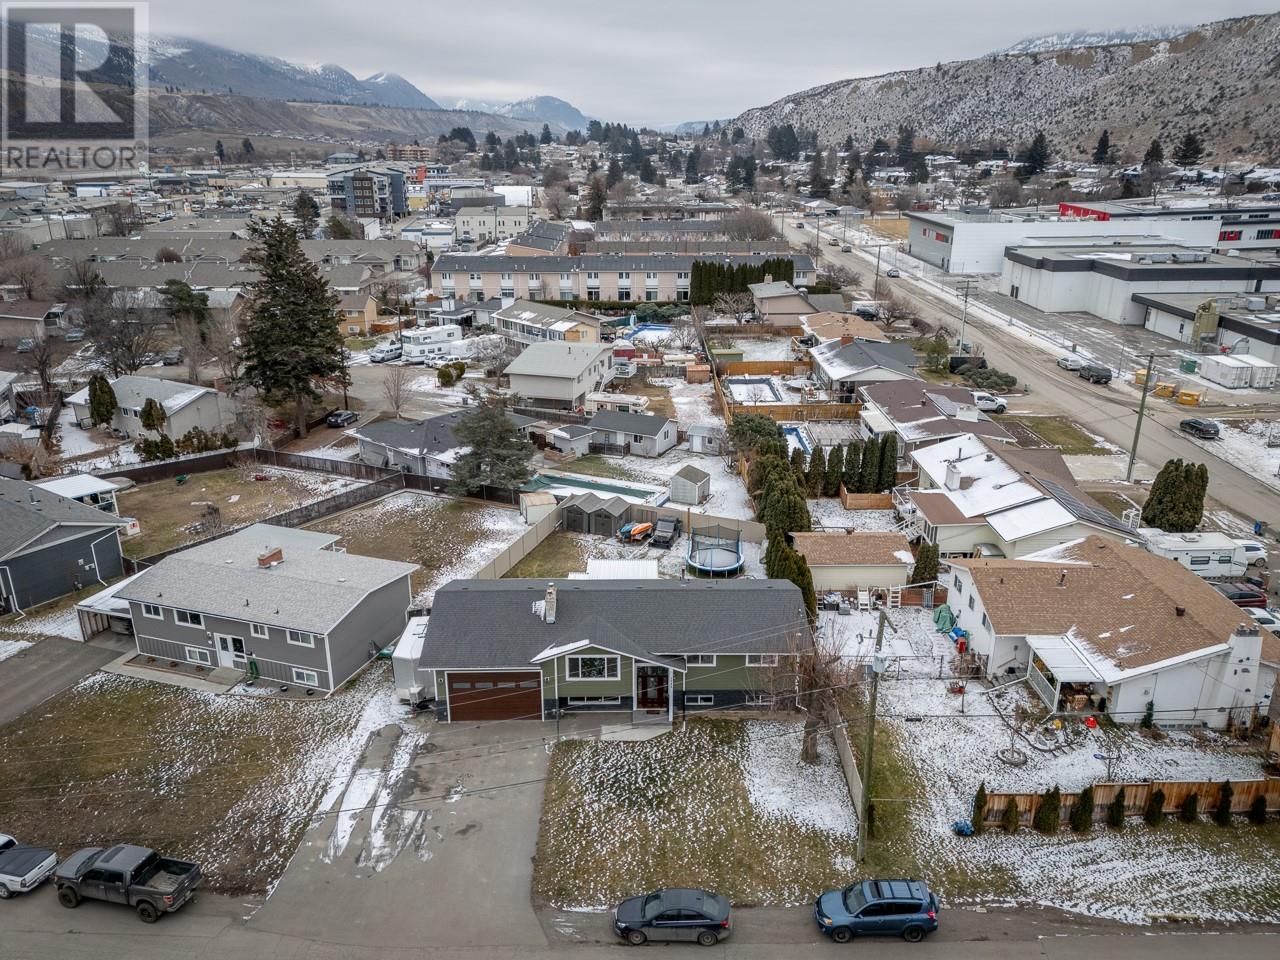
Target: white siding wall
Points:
(848, 577)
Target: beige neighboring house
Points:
(846, 562)
(845, 327)
(779, 303)
(481, 224)
(28, 319)
(560, 375)
(185, 406)
(357, 312)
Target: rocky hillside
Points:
(1097, 38)
(223, 114)
(1221, 80)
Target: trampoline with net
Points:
(715, 551)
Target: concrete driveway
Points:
(429, 844)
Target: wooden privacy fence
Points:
(796, 411)
(786, 368)
(1137, 794)
(865, 501)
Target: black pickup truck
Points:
(135, 876)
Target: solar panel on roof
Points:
(1079, 508)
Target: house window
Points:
(506, 276)
(258, 630)
(594, 701)
(300, 639)
(956, 579)
(308, 678)
(699, 700)
(593, 293)
(153, 611)
(985, 621)
(624, 294)
(651, 276)
(535, 278)
(624, 275)
(651, 295)
(682, 275)
(762, 659)
(592, 668)
(187, 618)
(593, 275)
(970, 601)
(700, 659)
(636, 438)
(199, 655)
(682, 296)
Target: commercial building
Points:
(1248, 324)
(485, 224)
(1238, 226)
(656, 277)
(973, 239)
(1103, 280)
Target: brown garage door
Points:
(507, 695)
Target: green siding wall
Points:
(587, 688)
(730, 673)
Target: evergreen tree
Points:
(852, 466)
(1103, 149)
(614, 175)
(290, 332)
(1189, 150)
(647, 173)
(497, 455)
(1222, 812)
(774, 555)
(545, 137)
(1048, 817)
(819, 185)
(906, 143)
(798, 466)
(802, 577)
(1199, 489)
(816, 475)
(888, 477)
(1035, 159)
(926, 568)
(220, 152)
(1258, 810)
(1081, 817)
(869, 475)
(835, 470)
(596, 198)
(1009, 820)
(1115, 810)
(691, 167)
(152, 415)
(979, 811)
(102, 400)
(246, 146)
(1153, 812)
(307, 212)
(1189, 812)
(337, 229)
(1176, 501)
(1148, 716)
(1154, 155)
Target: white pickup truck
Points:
(22, 869)
(989, 402)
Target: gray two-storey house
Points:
(275, 602)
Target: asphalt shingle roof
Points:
(643, 424)
(492, 624)
(854, 549)
(27, 511)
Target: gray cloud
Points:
(653, 62)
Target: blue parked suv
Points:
(902, 908)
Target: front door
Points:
(651, 688)
(230, 651)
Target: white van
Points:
(1209, 555)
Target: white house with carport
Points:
(975, 496)
(1099, 626)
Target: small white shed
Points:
(690, 485)
(536, 505)
(706, 438)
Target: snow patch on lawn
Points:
(781, 785)
(59, 623)
(10, 647)
(828, 512)
(1244, 444)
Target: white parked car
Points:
(1070, 362)
(1264, 618)
(1255, 554)
(384, 352)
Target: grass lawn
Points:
(555, 557)
(450, 539)
(168, 512)
(54, 619)
(720, 804)
(359, 343)
(1113, 502)
(1059, 432)
(894, 227)
(660, 402)
(227, 781)
(594, 465)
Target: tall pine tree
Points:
(888, 478)
(816, 475)
(835, 470)
(869, 475)
(852, 466)
(290, 332)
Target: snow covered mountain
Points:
(537, 109)
(194, 66)
(1097, 38)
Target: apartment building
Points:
(369, 192)
(484, 224)
(622, 277)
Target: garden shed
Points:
(589, 513)
(690, 485)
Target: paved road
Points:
(46, 668)
(1104, 410)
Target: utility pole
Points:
(964, 315)
(877, 668)
(1142, 407)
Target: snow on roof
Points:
(984, 482)
(1029, 519)
(77, 485)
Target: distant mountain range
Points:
(1097, 38)
(1219, 80)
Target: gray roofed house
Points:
(560, 375)
(279, 598)
(185, 406)
(843, 368)
(650, 645)
(51, 545)
(920, 414)
(423, 447)
(645, 434)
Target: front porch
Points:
(1062, 678)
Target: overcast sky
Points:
(647, 61)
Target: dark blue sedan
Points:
(901, 908)
(695, 916)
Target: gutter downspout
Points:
(13, 592)
(93, 545)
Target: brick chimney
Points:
(271, 557)
(549, 604)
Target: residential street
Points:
(1102, 409)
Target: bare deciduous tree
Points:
(222, 341)
(621, 192)
(557, 201)
(736, 305)
(122, 332)
(748, 223)
(685, 336)
(40, 362)
(32, 456)
(840, 277)
(395, 384)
